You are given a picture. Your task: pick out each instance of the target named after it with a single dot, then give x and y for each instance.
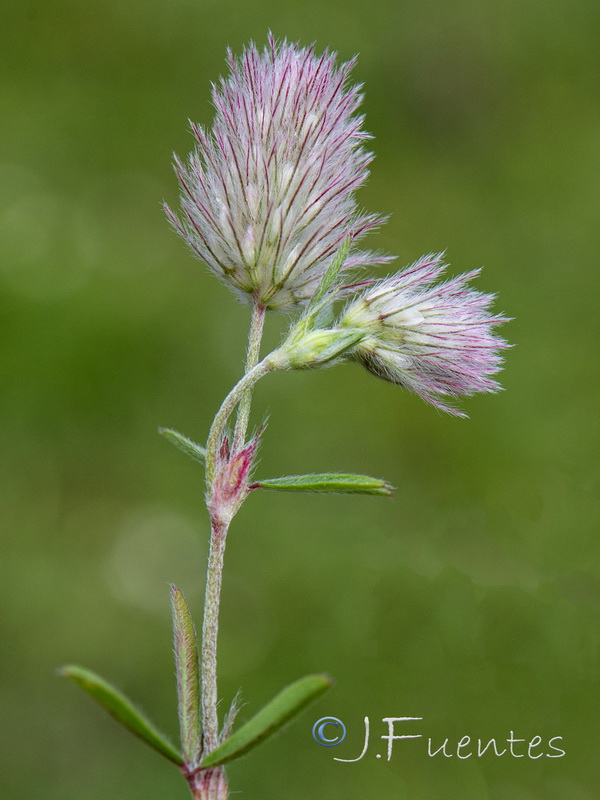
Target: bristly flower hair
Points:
(267, 196)
(435, 339)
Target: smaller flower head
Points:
(435, 339)
(268, 194)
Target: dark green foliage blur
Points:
(472, 599)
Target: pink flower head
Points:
(268, 194)
(435, 339)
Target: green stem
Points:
(220, 519)
(252, 356)
(223, 414)
(210, 629)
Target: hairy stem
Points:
(223, 414)
(220, 517)
(210, 629)
(209, 784)
(252, 356)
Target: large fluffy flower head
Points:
(436, 339)
(267, 195)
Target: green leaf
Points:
(327, 482)
(319, 309)
(287, 704)
(187, 446)
(331, 273)
(188, 678)
(119, 707)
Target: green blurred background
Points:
(473, 598)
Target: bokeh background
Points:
(473, 598)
